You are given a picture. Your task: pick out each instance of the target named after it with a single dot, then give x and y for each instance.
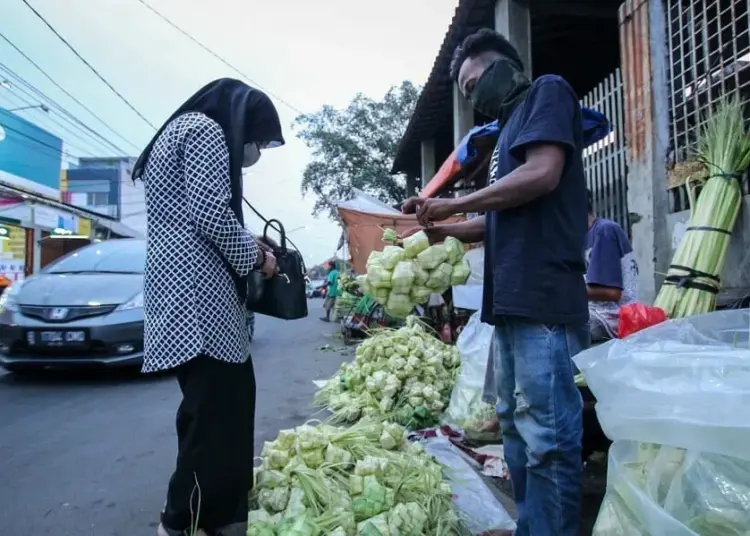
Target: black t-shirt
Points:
(534, 266)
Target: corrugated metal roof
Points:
(552, 20)
(435, 103)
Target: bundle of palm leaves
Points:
(694, 277)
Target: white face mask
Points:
(251, 155)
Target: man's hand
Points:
(436, 233)
(429, 210)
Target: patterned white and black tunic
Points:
(191, 303)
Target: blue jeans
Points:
(540, 412)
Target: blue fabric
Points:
(596, 127)
(540, 412)
(534, 265)
(606, 244)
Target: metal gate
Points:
(605, 162)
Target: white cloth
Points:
(191, 303)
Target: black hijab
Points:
(244, 114)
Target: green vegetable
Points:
(390, 236)
(416, 244)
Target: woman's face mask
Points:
(251, 155)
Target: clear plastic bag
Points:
(477, 507)
(467, 410)
(674, 398)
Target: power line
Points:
(32, 91)
(93, 69)
(65, 91)
(217, 56)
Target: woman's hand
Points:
(269, 265)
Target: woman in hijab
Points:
(197, 260)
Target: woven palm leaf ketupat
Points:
(694, 277)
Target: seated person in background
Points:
(611, 274)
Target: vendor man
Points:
(534, 290)
(611, 274)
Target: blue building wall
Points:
(103, 180)
(29, 152)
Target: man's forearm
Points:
(538, 176)
(468, 232)
(515, 189)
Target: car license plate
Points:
(56, 338)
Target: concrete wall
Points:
(737, 268)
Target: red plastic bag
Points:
(638, 316)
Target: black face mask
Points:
(499, 90)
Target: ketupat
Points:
(405, 375)
(402, 492)
(401, 278)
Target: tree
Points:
(355, 147)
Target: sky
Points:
(303, 53)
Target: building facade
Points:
(655, 68)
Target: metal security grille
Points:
(605, 161)
(709, 57)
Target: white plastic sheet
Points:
(675, 400)
(475, 504)
(466, 409)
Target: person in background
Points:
(611, 274)
(332, 286)
(197, 261)
(533, 229)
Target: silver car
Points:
(84, 309)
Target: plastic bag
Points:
(674, 399)
(416, 244)
(391, 257)
(467, 409)
(475, 504)
(403, 277)
(637, 316)
(432, 257)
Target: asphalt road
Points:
(90, 454)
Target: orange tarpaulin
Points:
(365, 232)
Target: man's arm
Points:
(602, 293)
(546, 138)
(538, 176)
(209, 194)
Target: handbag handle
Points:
(282, 232)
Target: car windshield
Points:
(111, 256)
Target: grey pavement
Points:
(90, 453)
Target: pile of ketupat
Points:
(363, 480)
(404, 375)
(401, 277)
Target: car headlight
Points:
(136, 302)
(8, 298)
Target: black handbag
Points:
(284, 295)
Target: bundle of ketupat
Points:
(364, 480)
(401, 277)
(404, 375)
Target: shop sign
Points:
(84, 227)
(49, 218)
(30, 157)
